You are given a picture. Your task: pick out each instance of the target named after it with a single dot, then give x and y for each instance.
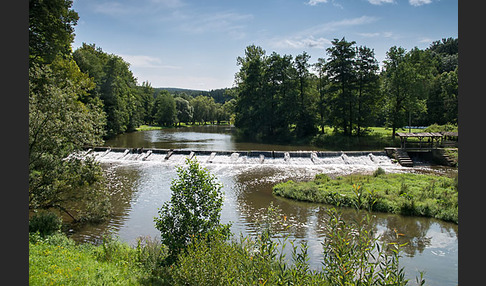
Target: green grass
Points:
(376, 139)
(406, 194)
(57, 260)
(149, 127)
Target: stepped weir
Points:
(242, 157)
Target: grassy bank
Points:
(406, 194)
(57, 260)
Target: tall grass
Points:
(406, 194)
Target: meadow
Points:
(406, 194)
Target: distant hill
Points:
(219, 95)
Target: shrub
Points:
(378, 172)
(45, 223)
(353, 256)
(194, 209)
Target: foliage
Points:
(63, 118)
(60, 125)
(407, 194)
(442, 128)
(126, 105)
(45, 223)
(166, 112)
(279, 99)
(353, 256)
(184, 110)
(194, 208)
(51, 29)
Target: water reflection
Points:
(200, 138)
(122, 182)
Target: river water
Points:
(141, 184)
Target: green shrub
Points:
(193, 210)
(45, 223)
(378, 172)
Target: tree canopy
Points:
(289, 99)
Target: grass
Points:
(376, 139)
(406, 194)
(57, 260)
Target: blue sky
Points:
(194, 44)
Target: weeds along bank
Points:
(406, 194)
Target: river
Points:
(141, 184)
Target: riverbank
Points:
(57, 260)
(405, 194)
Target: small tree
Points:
(193, 210)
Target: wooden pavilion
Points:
(426, 140)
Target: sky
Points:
(194, 44)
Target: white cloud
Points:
(377, 34)
(302, 43)
(426, 40)
(314, 37)
(419, 2)
(379, 2)
(336, 25)
(315, 2)
(143, 61)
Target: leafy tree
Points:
(165, 109)
(406, 78)
(280, 97)
(323, 90)
(146, 96)
(115, 86)
(342, 75)
(194, 208)
(368, 95)
(51, 29)
(184, 110)
(305, 123)
(249, 115)
(60, 125)
(397, 76)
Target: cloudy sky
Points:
(194, 44)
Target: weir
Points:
(243, 157)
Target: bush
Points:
(378, 172)
(45, 223)
(194, 209)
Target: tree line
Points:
(128, 105)
(284, 98)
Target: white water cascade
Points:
(332, 162)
